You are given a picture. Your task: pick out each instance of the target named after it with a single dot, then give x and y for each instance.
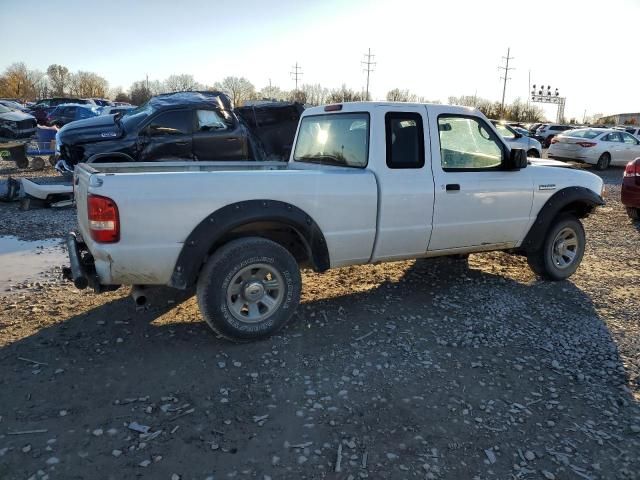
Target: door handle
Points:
(453, 187)
(181, 144)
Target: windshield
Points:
(4, 109)
(335, 139)
(135, 116)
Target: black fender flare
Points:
(550, 210)
(97, 156)
(211, 230)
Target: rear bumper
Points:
(83, 271)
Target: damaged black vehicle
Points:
(199, 126)
(15, 124)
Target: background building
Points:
(621, 119)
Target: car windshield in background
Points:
(4, 109)
(136, 115)
(334, 139)
(589, 134)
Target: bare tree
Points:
(343, 94)
(273, 92)
(239, 89)
(180, 83)
(397, 95)
(88, 84)
(59, 77)
(315, 94)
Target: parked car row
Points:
(181, 126)
(18, 121)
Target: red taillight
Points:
(586, 144)
(633, 169)
(104, 221)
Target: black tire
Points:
(215, 287)
(533, 153)
(37, 163)
(634, 213)
(52, 160)
(542, 261)
(603, 162)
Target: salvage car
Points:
(15, 124)
(366, 182)
(630, 191)
(516, 139)
(186, 125)
(601, 147)
(71, 112)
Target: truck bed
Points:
(161, 203)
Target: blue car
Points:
(70, 112)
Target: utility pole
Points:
(506, 76)
(368, 64)
(297, 73)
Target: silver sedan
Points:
(601, 147)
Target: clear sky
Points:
(588, 49)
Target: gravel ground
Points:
(433, 369)
(36, 224)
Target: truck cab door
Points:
(401, 161)
(168, 136)
(218, 138)
(478, 203)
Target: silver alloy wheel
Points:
(564, 249)
(255, 292)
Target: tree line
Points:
(18, 81)
(514, 112)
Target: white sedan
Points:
(597, 146)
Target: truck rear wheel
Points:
(249, 289)
(562, 251)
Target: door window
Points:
(209, 120)
(171, 123)
(613, 137)
(629, 139)
(405, 140)
(467, 143)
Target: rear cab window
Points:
(334, 139)
(404, 140)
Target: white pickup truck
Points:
(365, 183)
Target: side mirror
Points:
(517, 159)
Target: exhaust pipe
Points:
(138, 295)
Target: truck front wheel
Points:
(249, 289)
(562, 251)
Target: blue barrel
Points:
(46, 134)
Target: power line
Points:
(506, 75)
(369, 64)
(296, 74)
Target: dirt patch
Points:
(427, 369)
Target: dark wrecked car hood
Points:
(94, 129)
(16, 116)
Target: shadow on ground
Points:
(432, 369)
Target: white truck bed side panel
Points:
(159, 210)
